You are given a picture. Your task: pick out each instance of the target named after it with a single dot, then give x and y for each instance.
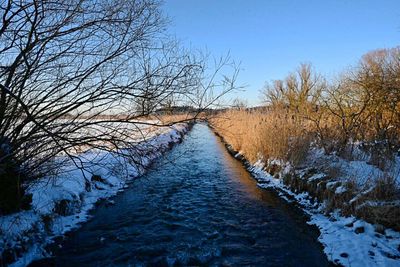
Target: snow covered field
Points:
(61, 202)
(347, 240)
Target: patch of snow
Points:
(317, 177)
(340, 190)
(33, 229)
(343, 245)
(332, 184)
(347, 241)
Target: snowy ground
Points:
(347, 241)
(61, 202)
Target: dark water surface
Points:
(195, 206)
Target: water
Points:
(195, 206)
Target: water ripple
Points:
(201, 209)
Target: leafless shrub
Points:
(299, 91)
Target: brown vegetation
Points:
(257, 134)
(362, 106)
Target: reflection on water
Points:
(196, 206)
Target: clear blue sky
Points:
(271, 37)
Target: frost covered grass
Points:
(61, 200)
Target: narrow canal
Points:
(195, 206)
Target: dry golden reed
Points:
(263, 134)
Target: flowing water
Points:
(195, 206)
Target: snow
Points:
(360, 170)
(364, 249)
(347, 241)
(29, 231)
(340, 189)
(316, 177)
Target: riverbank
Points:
(61, 203)
(347, 241)
(195, 206)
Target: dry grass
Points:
(273, 134)
(280, 134)
(362, 106)
(174, 118)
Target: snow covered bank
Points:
(347, 241)
(61, 202)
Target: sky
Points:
(270, 38)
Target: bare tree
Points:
(347, 106)
(377, 76)
(365, 101)
(72, 72)
(298, 91)
(239, 104)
